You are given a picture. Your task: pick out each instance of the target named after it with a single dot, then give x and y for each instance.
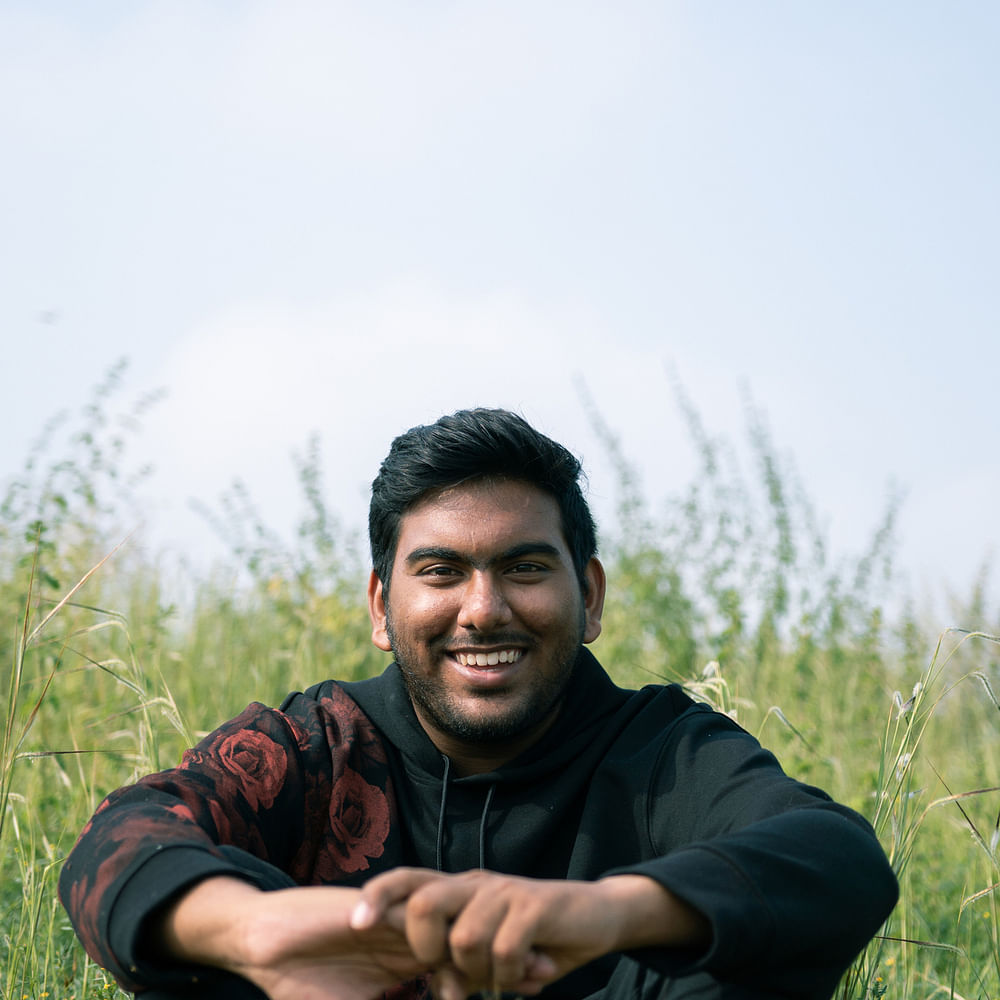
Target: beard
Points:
(478, 717)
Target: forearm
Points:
(290, 943)
(225, 922)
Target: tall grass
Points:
(729, 588)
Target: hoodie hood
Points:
(591, 697)
(502, 819)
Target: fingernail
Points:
(362, 915)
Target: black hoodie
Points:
(645, 782)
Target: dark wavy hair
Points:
(468, 445)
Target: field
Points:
(110, 670)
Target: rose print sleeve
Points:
(304, 793)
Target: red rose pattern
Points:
(307, 792)
(257, 764)
(359, 822)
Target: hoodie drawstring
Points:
(439, 847)
(482, 828)
(444, 802)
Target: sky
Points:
(344, 219)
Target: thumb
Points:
(363, 916)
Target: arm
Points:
(270, 798)
(290, 943)
(793, 884)
(481, 930)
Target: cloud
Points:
(249, 386)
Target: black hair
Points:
(476, 444)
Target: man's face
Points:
(485, 616)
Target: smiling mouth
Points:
(491, 659)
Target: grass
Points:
(730, 590)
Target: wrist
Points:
(650, 915)
(210, 924)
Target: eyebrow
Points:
(453, 555)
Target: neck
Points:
(479, 757)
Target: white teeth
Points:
(488, 659)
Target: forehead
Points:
(482, 515)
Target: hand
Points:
(295, 944)
(484, 931)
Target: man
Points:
(489, 815)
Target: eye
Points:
(526, 569)
(439, 572)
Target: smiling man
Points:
(490, 815)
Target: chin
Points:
(496, 727)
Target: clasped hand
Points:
(480, 931)
(471, 932)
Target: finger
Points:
(430, 911)
(381, 893)
(513, 955)
(539, 970)
(392, 922)
(472, 942)
(449, 984)
(492, 939)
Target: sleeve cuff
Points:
(705, 880)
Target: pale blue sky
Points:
(351, 217)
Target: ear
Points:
(593, 600)
(376, 611)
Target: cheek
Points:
(423, 615)
(548, 611)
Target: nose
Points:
(484, 606)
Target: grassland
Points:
(730, 589)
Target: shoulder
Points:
(327, 715)
(685, 741)
(694, 733)
(661, 712)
